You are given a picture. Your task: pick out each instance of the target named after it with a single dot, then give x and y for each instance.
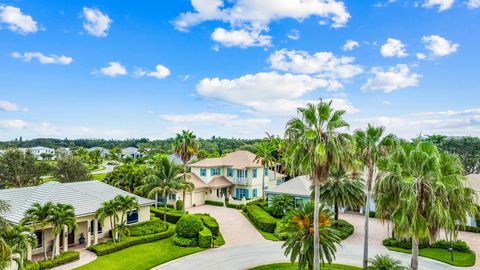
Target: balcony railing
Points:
(241, 180)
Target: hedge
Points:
(31, 266)
(111, 247)
(458, 245)
(147, 227)
(63, 258)
(179, 205)
(172, 215)
(344, 228)
(472, 229)
(205, 238)
(261, 218)
(184, 242)
(235, 206)
(189, 226)
(372, 214)
(211, 223)
(216, 203)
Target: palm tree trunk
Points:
(183, 198)
(263, 182)
(113, 228)
(165, 212)
(316, 238)
(367, 215)
(414, 262)
(156, 199)
(44, 245)
(336, 211)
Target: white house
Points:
(103, 151)
(40, 152)
(298, 188)
(131, 152)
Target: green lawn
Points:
(289, 266)
(461, 259)
(219, 241)
(266, 235)
(144, 256)
(99, 176)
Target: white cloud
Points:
(230, 120)
(8, 106)
(294, 34)
(393, 48)
(323, 64)
(113, 69)
(242, 38)
(350, 45)
(96, 23)
(17, 21)
(442, 4)
(43, 59)
(473, 3)
(439, 46)
(12, 124)
(160, 72)
(393, 78)
(420, 56)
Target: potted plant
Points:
(82, 239)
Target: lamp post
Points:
(450, 249)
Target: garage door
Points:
(199, 198)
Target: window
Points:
(229, 172)
(215, 171)
(203, 172)
(265, 171)
(172, 197)
(39, 235)
(241, 193)
(132, 217)
(254, 193)
(254, 173)
(99, 228)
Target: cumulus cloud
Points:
(442, 4)
(160, 72)
(393, 48)
(294, 34)
(473, 3)
(420, 56)
(439, 46)
(43, 59)
(13, 124)
(8, 106)
(242, 38)
(209, 118)
(95, 22)
(17, 21)
(114, 69)
(350, 45)
(393, 78)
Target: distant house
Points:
(131, 152)
(40, 152)
(103, 151)
(175, 159)
(298, 188)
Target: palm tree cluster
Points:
(116, 210)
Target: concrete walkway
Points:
(85, 257)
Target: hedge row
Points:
(172, 215)
(216, 203)
(189, 226)
(344, 228)
(110, 246)
(261, 218)
(31, 266)
(205, 238)
(63, 258)
(184, 242)
(458, 245)
(235, 206)
(211, 223)
(147, 227)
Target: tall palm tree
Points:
(125, 204)
(185, 146)
(108, 210)
(63, 215)
(371, 146)
(264, 155)
(425, 191)
(299, 243)
(185, 186)
(342, 191)
(20, 238)
(5, 251)
(39, 216)
(316, 144)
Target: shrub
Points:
(110, 246)
(280, 233)
(235, 206)
(205, 238)
(214, 203)
(184, 242)
(179, 205)
(211, 223)
(63, 258)
(189, 226)
(385, 262)
(469, 228)
(372, 214)
(261, 218)
(390, 242)
(344, 228)
(31, 266)
(147, 227)
(172, 215)
(456, 245)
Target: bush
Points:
(469, 228)
(344, 228)
(261, 218)
(390, 242)
(179, 205)
(63, 258)
(211, 223)
(205, 238)
(110, 246)
(235, 206)
(189, 226)
(457, 245)
(184, 242)
(372, 214)
(31, 266)
(147, 227)
(214, 203)
(407, 244)
(280, 233)
(172, 215)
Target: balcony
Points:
(241, 181)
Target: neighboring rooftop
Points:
(175, 159)
(86, 197)
(236, 160)
(298, 186)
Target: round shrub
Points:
(189, 226)
(179, 205)
(184, 242)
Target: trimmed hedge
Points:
(205, 238)
(147, 227)
(172, 215)
(261, 218)
(214, 203)
(110, 246)
(184, 242)
(189, 226)
(403, 243)
(179, 205)
(63, 258)
(31, 266)
(458, 245)
(372, 214)
(472, 229)
(211, 223)
(344, 228)
(235, 206)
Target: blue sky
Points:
(94, 69)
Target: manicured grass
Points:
(144, 256)
(266, 235)
(289, 266)
(99, 176)
(219, 241)
(461, 259)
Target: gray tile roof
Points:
(299, 186)
(86, 197)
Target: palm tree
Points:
(299, 243)
(425, 191)
(125, 204)
(185, 146)
(385, 262)
(185, 186)
(281, 204)
(5, 251)
(63, 216)
(371, 146)
(20, 238)
(264, 155)
(315, 146)
(108, 209)
(39, 215)
(341, 191)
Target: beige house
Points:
(236, 174)
(86, 197)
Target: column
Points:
(29, 252)
(57, 245)
(65, 238)
(95, 231)
(89, 235)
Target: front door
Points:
(71, 239)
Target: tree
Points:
(264, 155)
(425, 191)
(467, 149)
(315, 146)
(70, 169)
(300, 239)
(185, 146)
(185, 186)
(385, 262)
(371, 146)
(127, 177)
(39, 216)
(115, 153)
(342, 191)
(5, 251)
(81, 153)
(281, 204)
(125, 204)
(108, 210)
(62, 216)
(19, 169)
(19, 238)
(94, 158)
